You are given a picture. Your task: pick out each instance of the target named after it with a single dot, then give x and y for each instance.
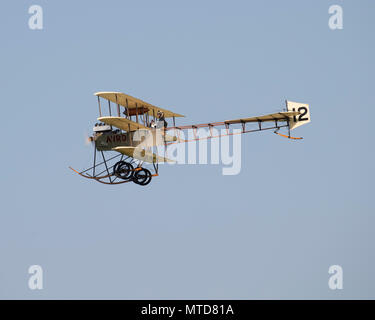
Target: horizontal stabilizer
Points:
(279, 116)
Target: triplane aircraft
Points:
(139, 126)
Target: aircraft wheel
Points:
(123, 170)
(142, 177)
(116, 166)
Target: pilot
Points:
(160, 122)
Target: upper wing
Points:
(134, 104)
(280, 116)
(123, 123)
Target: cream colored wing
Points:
(135, 104)
(280, 116)
(123, 123)
(141, 154)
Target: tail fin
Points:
(300, 119)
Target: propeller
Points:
(88, 139)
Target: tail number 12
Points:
(303, 112)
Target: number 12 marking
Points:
(303, 111)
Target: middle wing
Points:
(129, 126)
(123, 123)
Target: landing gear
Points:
(115, 170)
(123, 170)
(142, 177)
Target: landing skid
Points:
(119, 170)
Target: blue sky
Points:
(272, 231)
